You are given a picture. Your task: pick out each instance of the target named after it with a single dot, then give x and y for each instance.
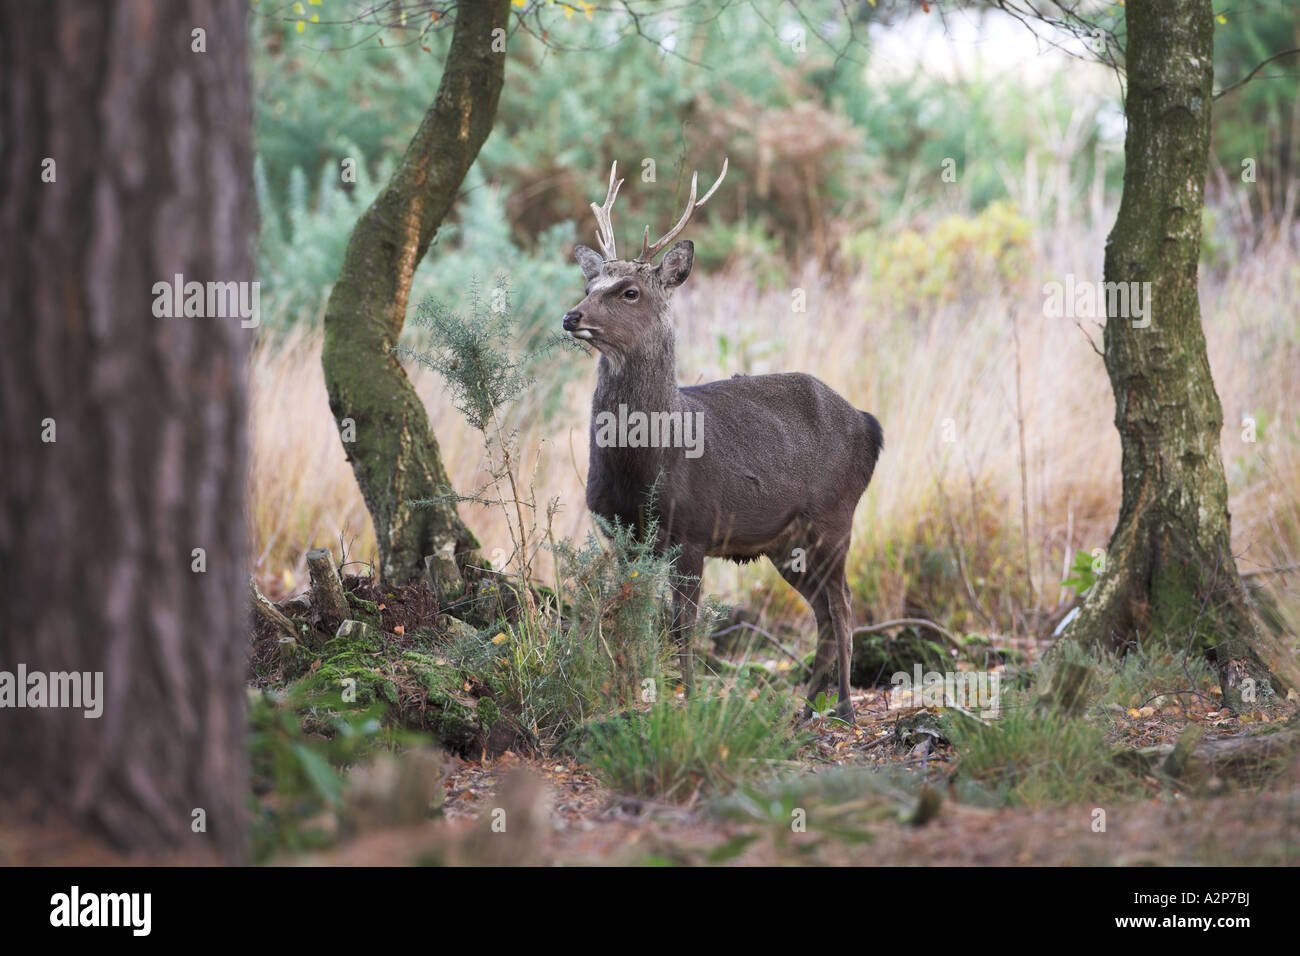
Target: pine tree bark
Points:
(393, 451)
(152, 176)
(1170, 572)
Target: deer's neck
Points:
(644, 381)
(622, 471)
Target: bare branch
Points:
(1263, 63)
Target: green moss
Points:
(454, 716)
(421, 690)
(488, 712)
(366, 611)
(1177, 609)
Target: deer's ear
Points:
(676, 264)
(589, 260)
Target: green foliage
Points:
(304, 237)
(1257, 121)
(730, 80)
(322, 93)
(1082, 573)
(710, 744)
(298, 747)
(822, 705)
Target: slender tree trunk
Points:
(1170, 572)
(392, 448)
(125, 431)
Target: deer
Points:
(774, 468)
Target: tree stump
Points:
(327, 598)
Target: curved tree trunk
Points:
(393, 452)
(1170, 572)
(124, 429)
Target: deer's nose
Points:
(571, 320)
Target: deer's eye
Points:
(631, 295)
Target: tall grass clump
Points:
(709, 745)
(603, 645)
(1031, 757)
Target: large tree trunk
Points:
(393, 452)
(1170, 572)
(153, 155)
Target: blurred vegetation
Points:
(1260, 120)
(814, 148)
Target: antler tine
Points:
(649, 251)
(604, 228)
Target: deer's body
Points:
(777, 470)
(738, 500)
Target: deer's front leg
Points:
(687, 572)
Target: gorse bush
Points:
(473, 353)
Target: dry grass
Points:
(940, 528)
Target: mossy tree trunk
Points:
(125, 447)
(1170, 573)
(393, 451)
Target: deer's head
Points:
(627, 307)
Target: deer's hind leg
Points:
(819, 579)
(837, 600)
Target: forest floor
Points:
(891, 789)
(569, 818)
(553, 811)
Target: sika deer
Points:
(753, 465)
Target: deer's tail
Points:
(875, 442)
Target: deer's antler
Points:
(604, 230)
(648, 251)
